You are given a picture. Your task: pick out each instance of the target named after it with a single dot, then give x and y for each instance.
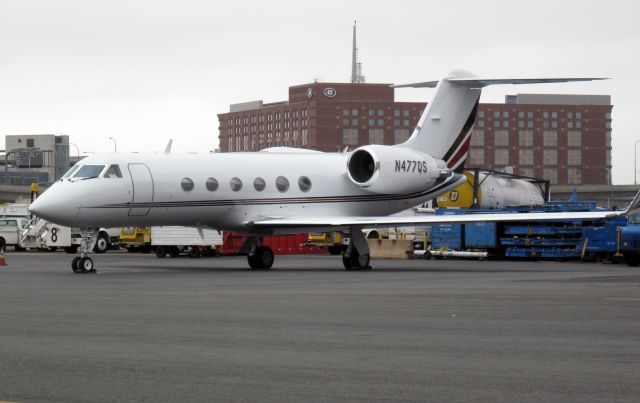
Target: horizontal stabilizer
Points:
(634, 206)
(427, 84)
(476, 82)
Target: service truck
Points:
(176, 240)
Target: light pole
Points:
(77, 149)
(635, 162)
(115, 148)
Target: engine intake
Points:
(362, 166)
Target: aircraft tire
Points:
(85, 265)
(75, 264)
(102, 243)
(262, 259)
(356, 261)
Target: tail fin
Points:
(444, 129)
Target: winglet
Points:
(634, 207)
(167, 150)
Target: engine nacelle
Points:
(394, 170)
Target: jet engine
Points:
(394, 170)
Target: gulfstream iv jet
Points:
(286, 190)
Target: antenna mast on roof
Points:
(356, 66)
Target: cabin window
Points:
(282, 184)
(70, 171)
(113, 172)
(259, 184)
(212, 184)
(236, 184)
(88, 171)
(187, 184)
(304, 183)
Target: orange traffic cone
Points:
(3, 261)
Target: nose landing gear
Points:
(83, 263)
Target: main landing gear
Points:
(260, 257)
(356, 256)
(83, 263)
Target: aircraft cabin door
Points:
(142, 188)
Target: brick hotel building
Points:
(563, 138)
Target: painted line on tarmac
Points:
(623, 299)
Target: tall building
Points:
(40, 158)
(563, 138)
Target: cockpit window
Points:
(88, 171)
(113, 172)
(70, 171)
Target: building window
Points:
(496, 123)
(501, 138)
(282, 184)
(574, 176)
(481, 114)
(396, 112)
(550, 157)
(405, 113)
(501, 156)
(526, 171)
(550, 138)
(376, 136)
(574, 157)
(30, 143)
(526, 157)
(345, 112)
(525, 138)
(187, 184)
(477, 138)
(496, 114)
(211, 184)
(400, 135)
(350, 136)
(481, 123)
(476, 157)
(550, 174)
(574, 138)
(354, 112)
(304, 183)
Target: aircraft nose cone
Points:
(49, 206)
(41, 208)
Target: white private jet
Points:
(286, 190)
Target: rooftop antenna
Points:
(356, 66)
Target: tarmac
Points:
(209, 329)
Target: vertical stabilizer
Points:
(444, 129)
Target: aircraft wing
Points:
(355, 221)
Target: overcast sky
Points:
(145, 71)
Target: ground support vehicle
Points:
(562, 239)
(136, 239)
(335, 242)
(630, 241)
(175, 240)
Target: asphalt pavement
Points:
(208, 329)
